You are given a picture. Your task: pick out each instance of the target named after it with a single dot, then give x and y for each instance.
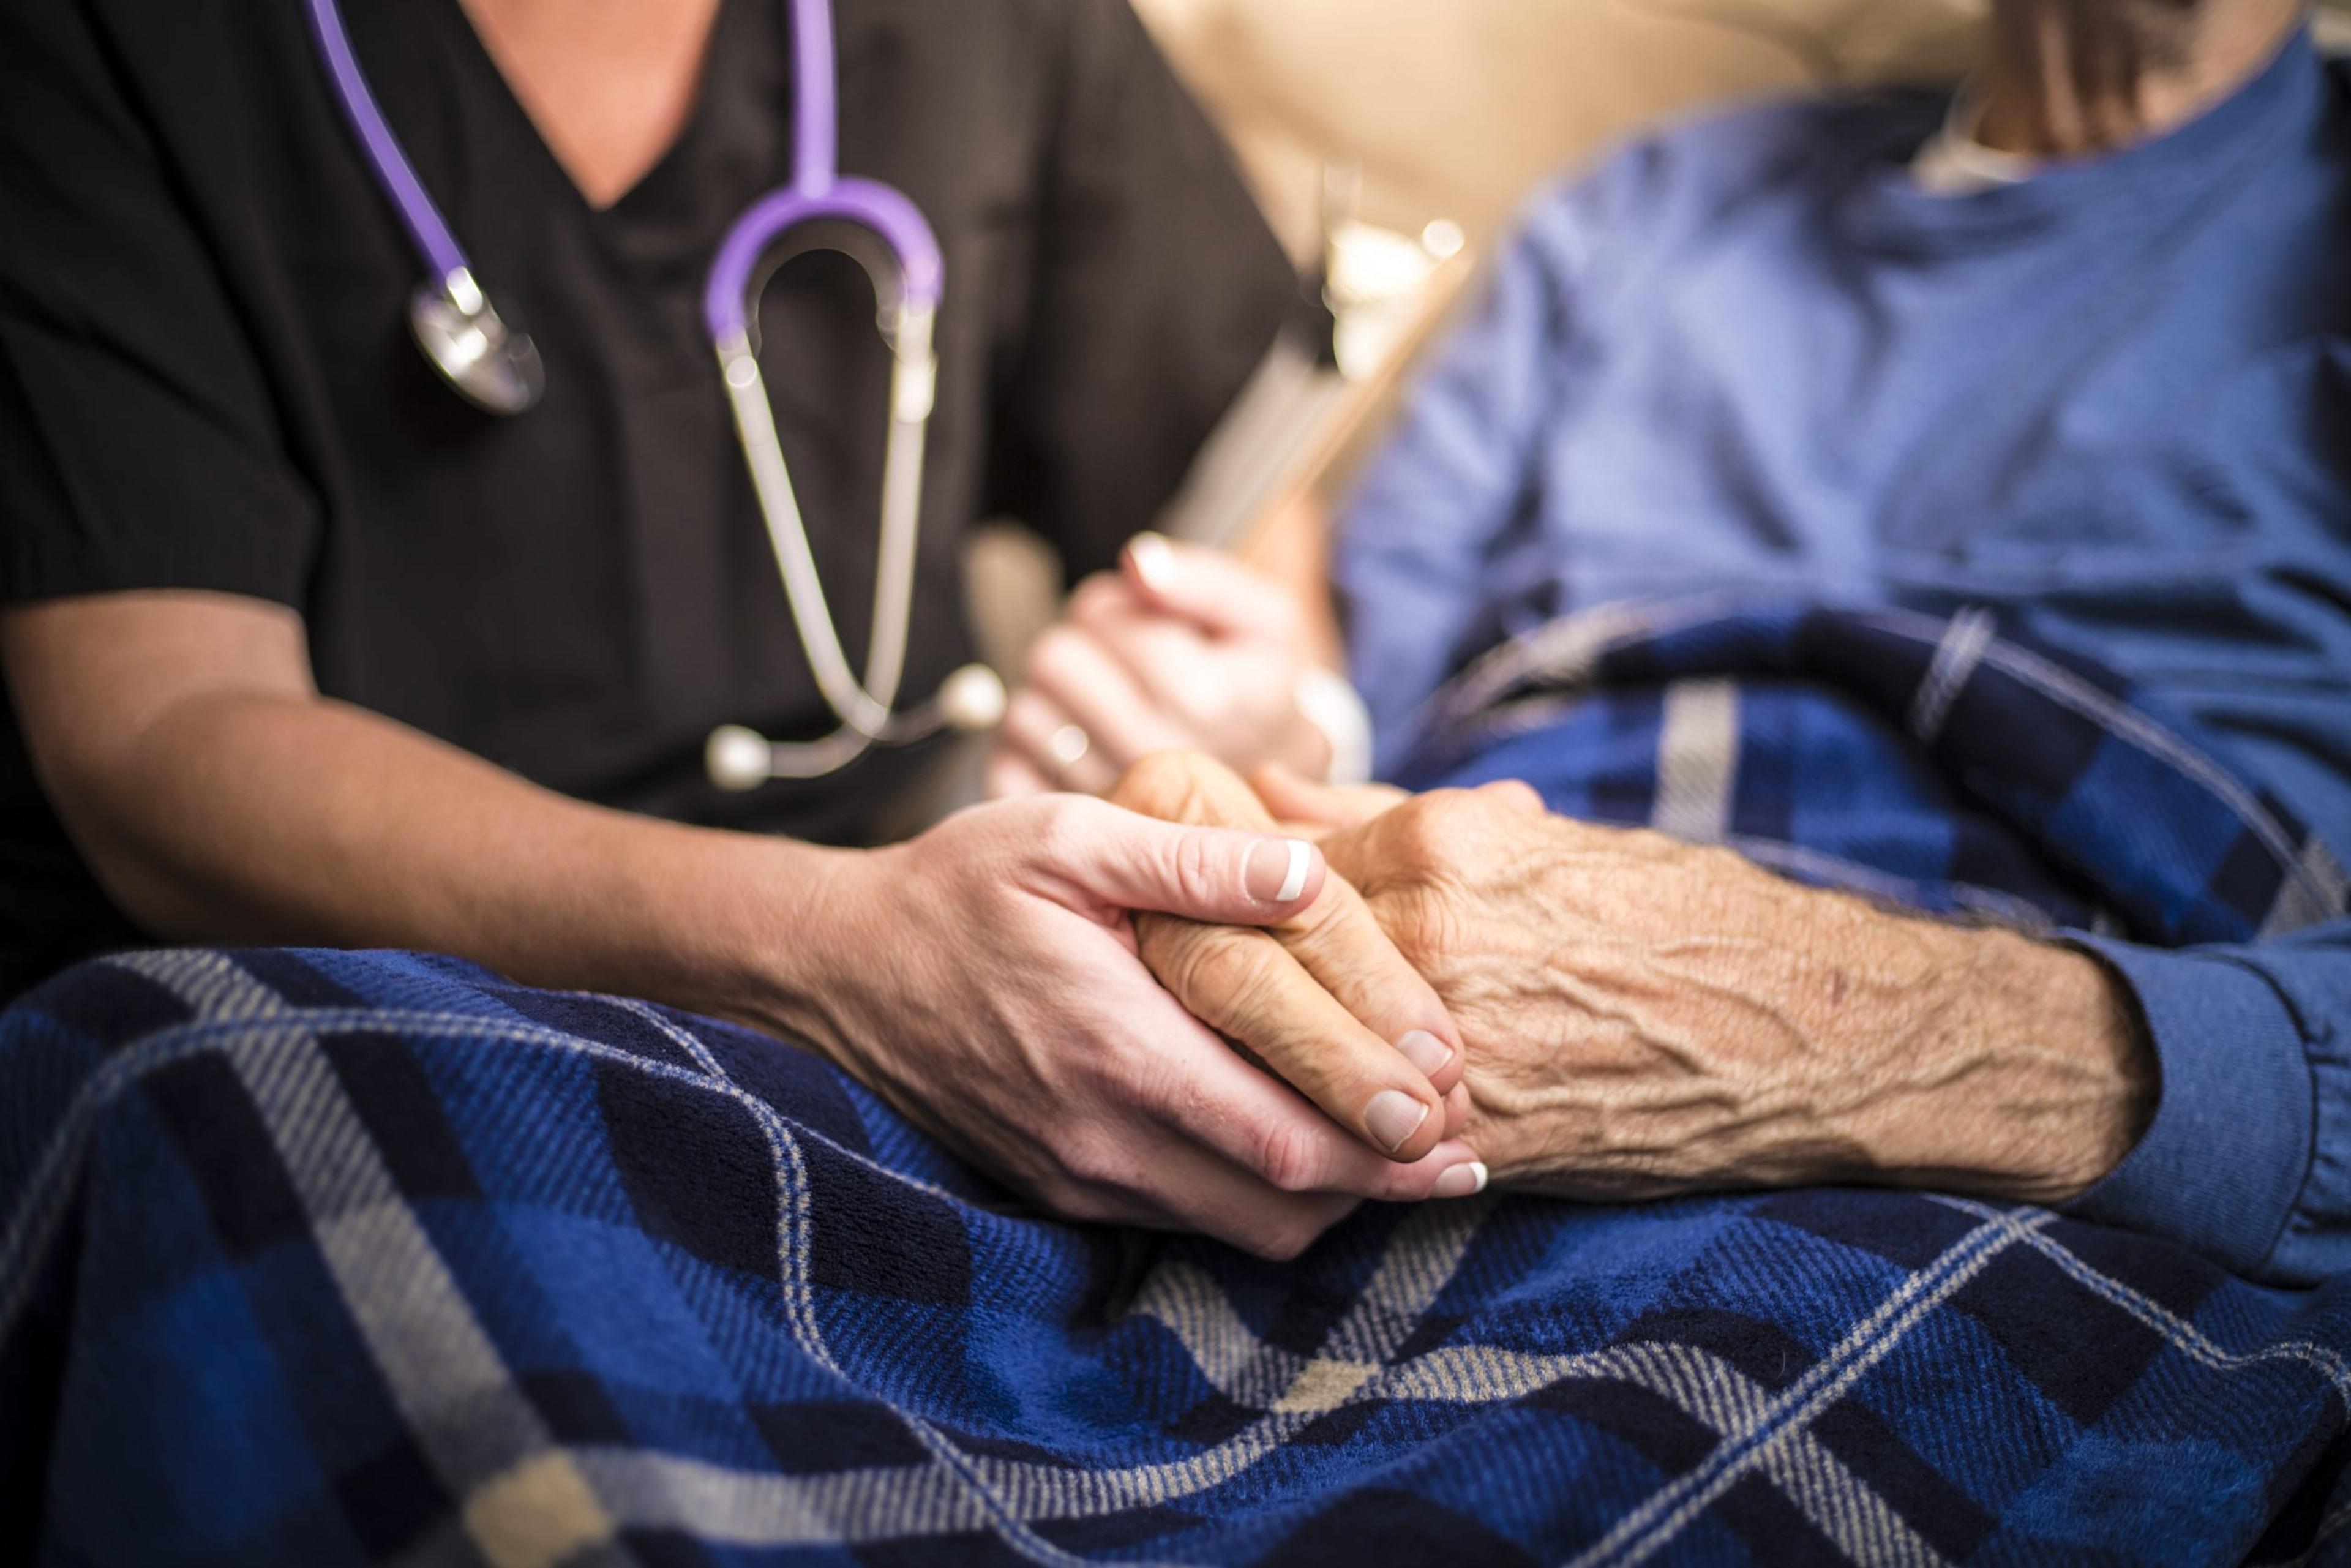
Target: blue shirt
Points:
(2113, 402)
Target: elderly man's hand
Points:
(1644, 1017)
(1323, 1000)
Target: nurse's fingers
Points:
(1335, 977)
(1164, 1181)
(1055, 744)
(1261, 1125)
(1104, 595)
(1245, 986)
(1334, 939)
(1123, 722)
(1172, 659)
(1338, 943)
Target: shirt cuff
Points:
(2226, 1157)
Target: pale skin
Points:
(983, 977)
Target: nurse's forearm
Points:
(218, 797)
(264, 819)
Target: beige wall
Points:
(1455, 107)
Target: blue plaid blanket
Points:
(322, 1258)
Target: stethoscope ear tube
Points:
(738, 757)
(858, 709)
(971, 699)
(907, 291)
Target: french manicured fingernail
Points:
(1461, 1181)
(1426, 1051)
(1154, 561)
(1277, 869)
(1393, 1116)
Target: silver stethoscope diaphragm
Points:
(495, 367)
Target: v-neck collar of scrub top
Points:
(657, 238)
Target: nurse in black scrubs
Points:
(302, 648)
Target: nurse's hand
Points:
(1181, 649)
(984, 980)
(1321, 995)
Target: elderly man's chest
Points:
(1769, 414)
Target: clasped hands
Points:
(1595, 1012)
(1639, 1017)
(1170, 1009)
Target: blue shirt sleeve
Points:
(2249, 1156)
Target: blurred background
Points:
(1455, 108)
(1362, 123)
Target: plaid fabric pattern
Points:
(332, 1258)
(1944, 763)
(326, 1257)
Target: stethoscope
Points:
(498, 370)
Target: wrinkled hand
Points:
(1181, 649)
(1644, 1017)
(1320, 996)
(985, 980)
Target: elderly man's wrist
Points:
(2044, 1078)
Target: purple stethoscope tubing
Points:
(498, 370)
(438, 246)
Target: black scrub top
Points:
(207, 381)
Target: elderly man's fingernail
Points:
(1426, 1051)
(1154, 561)
(1277, 868)
(1461, 1181)
(1393, 1116)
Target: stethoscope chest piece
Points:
(494, 367)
